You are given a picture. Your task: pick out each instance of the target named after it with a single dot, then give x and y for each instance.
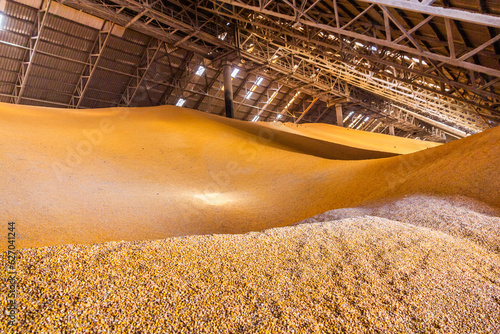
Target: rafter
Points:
(103, 36)
(236, 93)
(354, 76)
(148, 58)
(277, 104)
(208, 87)
(258, 100)
(27, 66)
(455, 14)
(306, 110)
(361, 55)
(175, 77)
(374, 40)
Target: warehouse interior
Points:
(248, 166)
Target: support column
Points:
(340, 117)
(391, 129)
(228, 90)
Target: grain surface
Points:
(356, 275)
(92, 176)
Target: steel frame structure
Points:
(375, 54)
(27, 65)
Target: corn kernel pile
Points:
(365, 274)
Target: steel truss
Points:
(92, 64)
(394, 75)
(31, 51)
(376, 50)
(141, 71)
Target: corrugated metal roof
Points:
(27, 101)
(57, 37)
(108, 81)
(121, 44)
(8, 76)
(13, 38)
(50, 84)
(69, 66)
(4, 99)
(45, 94)
(11, 52)
(135, 37)
(6, 88)
(18, 26)
(118, 61)
(62, 51)
(71, 28)
(8, 65)
(102, 95)
(20, 11)
(55, 74)
(55, 79)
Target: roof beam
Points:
(26, 67)
(293, 38)
(207, 88)
(237, 91)
(181, 70)
(269, 101)
(110, 13)
(426, 104)
(327, 109)
(256, 104)
(141, 71)
(374, 40)
(279, 102)
(103, 37)
(306, 110)
(455, 14)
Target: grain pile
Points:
(426, 262)
(353, 138)
(457, 215)
(91, 176)
(365, 274)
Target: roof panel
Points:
(106, 80)
(6, 87)
(20, 11)
(7, 65)
(121, 44)
(71, 28)
(8, 76)
(56, 37)
(55, 74)
(13, 38)
(61, 51)
(45, 95)
(43, 83)
(135, 37)
(48, 61)
(11, 52)
(17, 25)
(119, 61)
(40, 103)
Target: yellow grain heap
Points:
(350, 276)
(412, 254)
(87, 176)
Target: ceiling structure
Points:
(428, 68)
